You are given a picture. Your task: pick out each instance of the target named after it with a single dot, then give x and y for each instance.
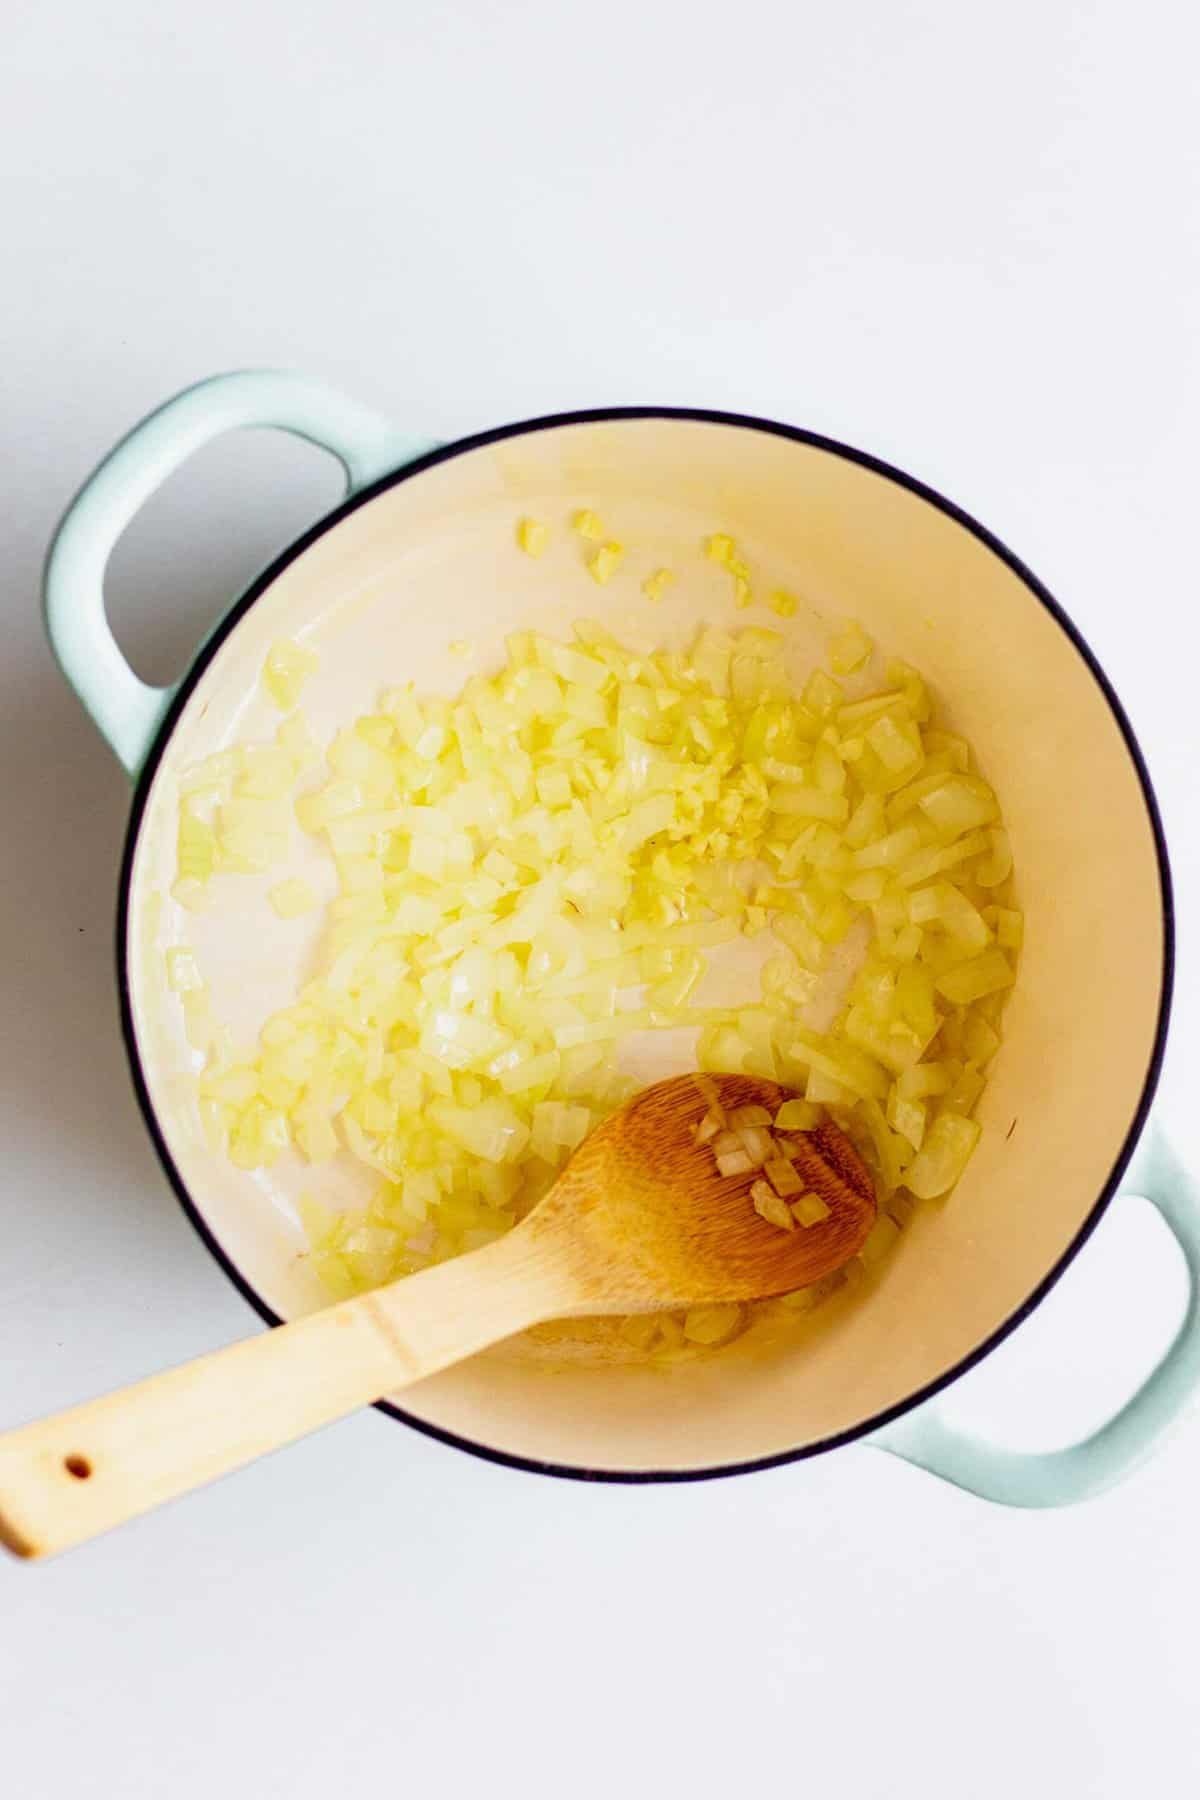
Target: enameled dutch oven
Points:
(419, 554)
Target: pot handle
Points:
(1061, 1477)
(127, 711)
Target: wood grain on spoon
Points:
(647, 1221)
(640, 1219)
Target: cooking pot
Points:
(420, 553)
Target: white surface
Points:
(964, 239)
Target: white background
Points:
(962, 236)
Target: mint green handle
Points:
(127, 711)
(1061, 1477)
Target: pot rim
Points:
(813, 440)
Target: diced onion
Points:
(708, 1128)
(809, 1209)
(782, 1177)
(985, 974)
(712, 1324)
(769, 1206)
(997, 865)
(536, 869)
(291, 898)
(943, 1156)
(743, 1116)
(756, 1144)
(880, 1240)
(849, 650)
(288, 667)
(796, 1115)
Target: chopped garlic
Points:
(588, 525)
(291, 898)
(191, 894)
(655, 585)
(183, 972)
(783, 603)
(605, 561)
(532, 536)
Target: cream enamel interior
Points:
(382, 594)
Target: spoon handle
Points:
(69, 1477)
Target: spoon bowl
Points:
(651, 1223)
(640, 1219)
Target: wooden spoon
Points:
(640, 1219)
